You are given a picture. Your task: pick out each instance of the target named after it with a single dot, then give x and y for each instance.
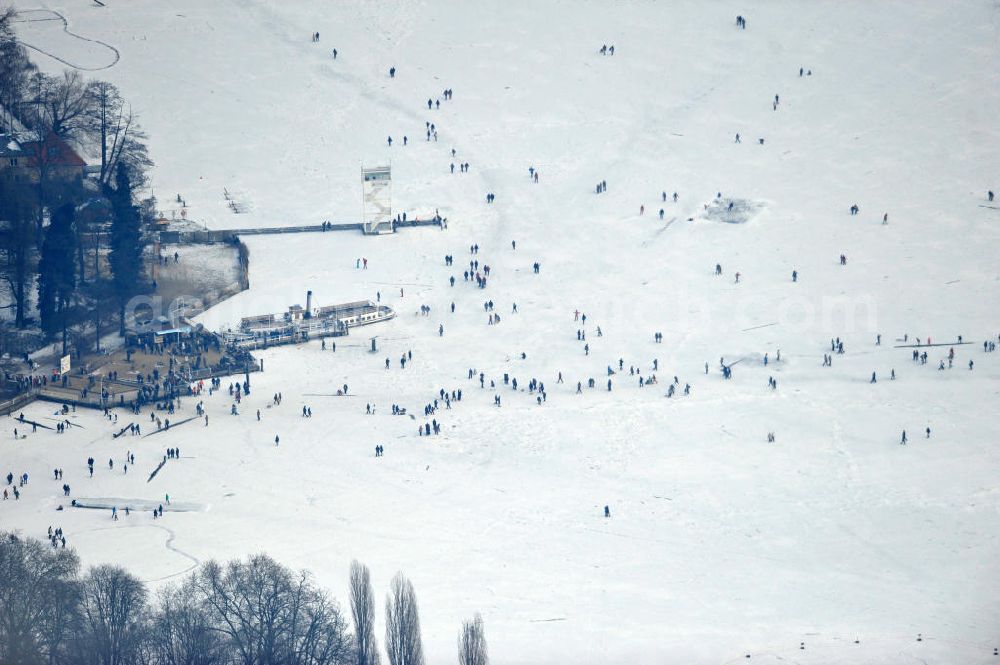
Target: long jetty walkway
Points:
(230, 235)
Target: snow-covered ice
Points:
(719, 543)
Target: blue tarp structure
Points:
(186, 330)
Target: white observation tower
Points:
(377, 199)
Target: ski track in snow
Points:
(169, 545)
(115, 55)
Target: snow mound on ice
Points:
(731, 211)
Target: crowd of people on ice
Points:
(162, 391)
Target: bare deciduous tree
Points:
(62, 105)
(363, 613)
(15, 68)
(117, 134)
(38, 594)
(181, 632)
(317, 630)
(243, 600)
(253, 612)
(114, 603)
(402, 624)
(269, 615)
(472, 643)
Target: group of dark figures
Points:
(56, 537)
(22, 481)
(62, 426)
(426, 428)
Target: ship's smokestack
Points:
(309, 304)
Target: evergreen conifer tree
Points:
(57, 273)
(126, 244)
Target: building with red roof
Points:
(30, 161)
